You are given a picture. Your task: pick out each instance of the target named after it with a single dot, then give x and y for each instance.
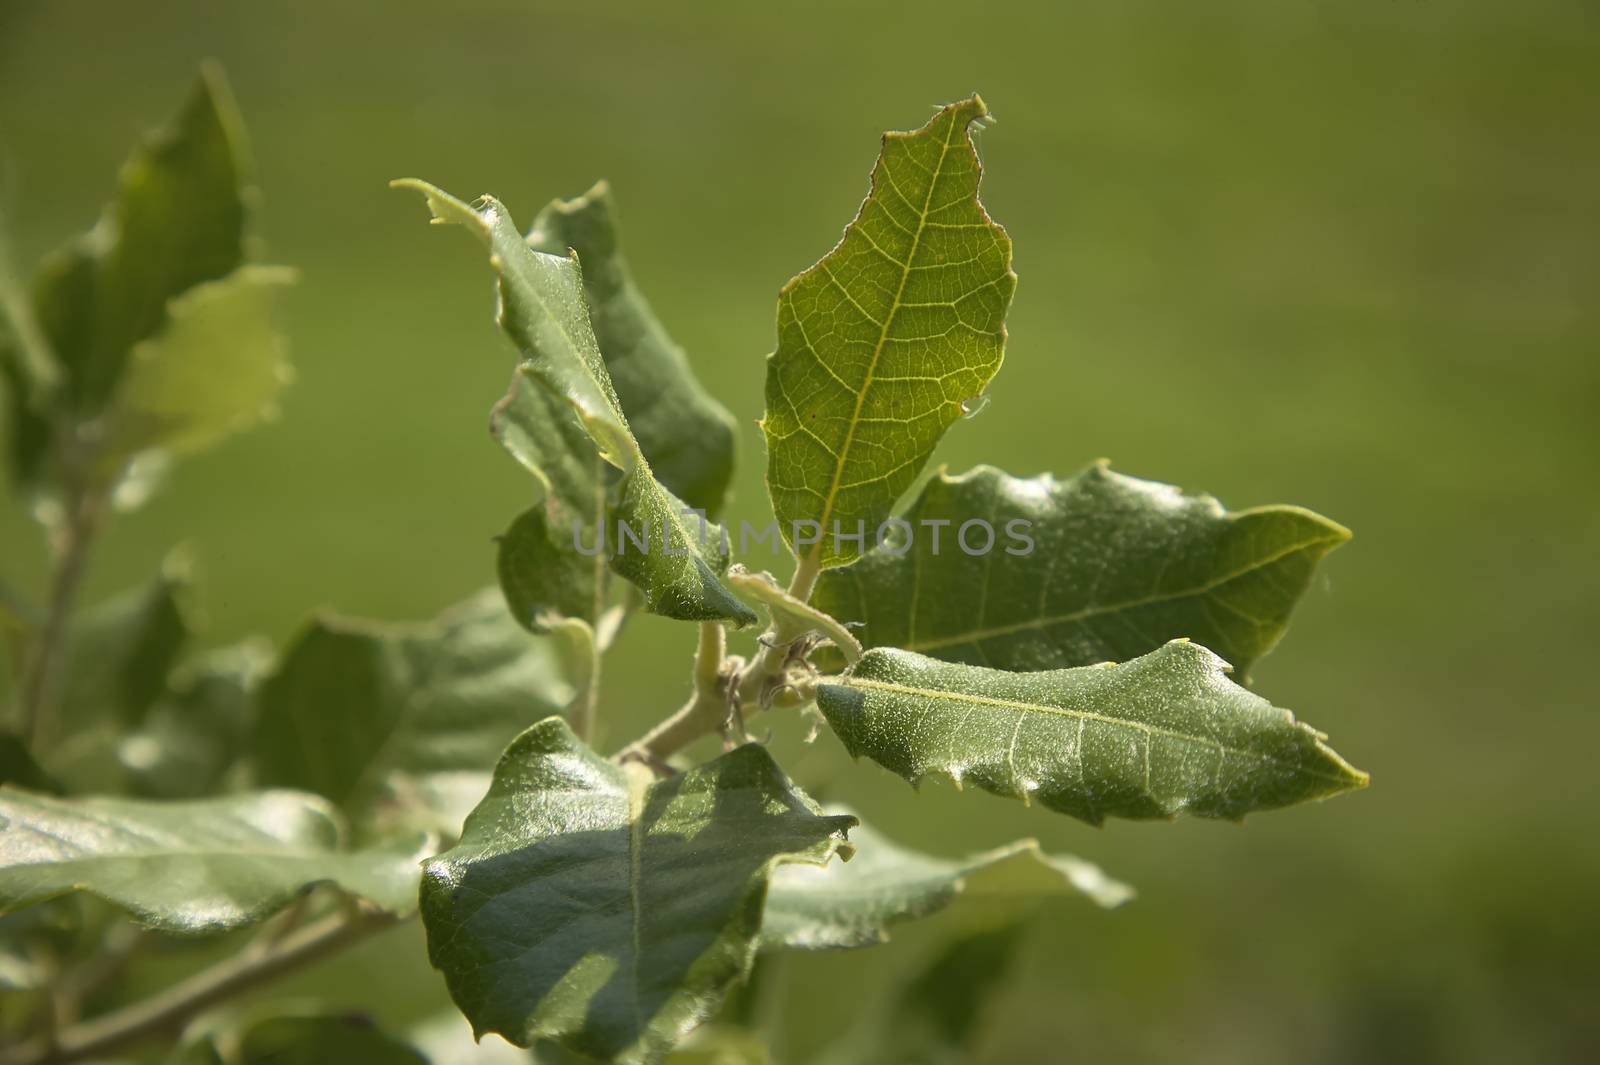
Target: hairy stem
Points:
(167, 1012)
(706, 709)
(758, 686)
(692, 720)
(702, 716)
(708, 658)
(804, 581)
(756, 683)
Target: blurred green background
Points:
(1344, 255)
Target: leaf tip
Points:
(447, 209)
(971, 108)
(213, 83)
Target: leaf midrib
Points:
(883, 334)
(1149, 730)
(1098, 610)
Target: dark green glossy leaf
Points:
(543, 311)
(591, 904)
(1149, 738)
(178, 219)
(883, 343)
(854, 903)
(375, 715)
(199, 866)
(1098, 568)
(687, 436)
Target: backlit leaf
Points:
(1149, 738)
(178, 219)
(1098, 568)
(883, 342)
(593, 905)
(199, 866)
(215, 367)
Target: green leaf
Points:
(318, 1040)
(18, 767)
(28, 376)
(302, 1040)
(32, 945)
(883, 343)
(118, 657)
(378, 718)
(854, 903)
(1102, 567)
(178, 219)
(198, 729)
(189, 867)
(935, 1017)
(215, 367)
(592, 905)
(1163, 733)
(680, 567)
(687, 436)
(121, 651)
(544, 577)
(28, 428)
(542, 310)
